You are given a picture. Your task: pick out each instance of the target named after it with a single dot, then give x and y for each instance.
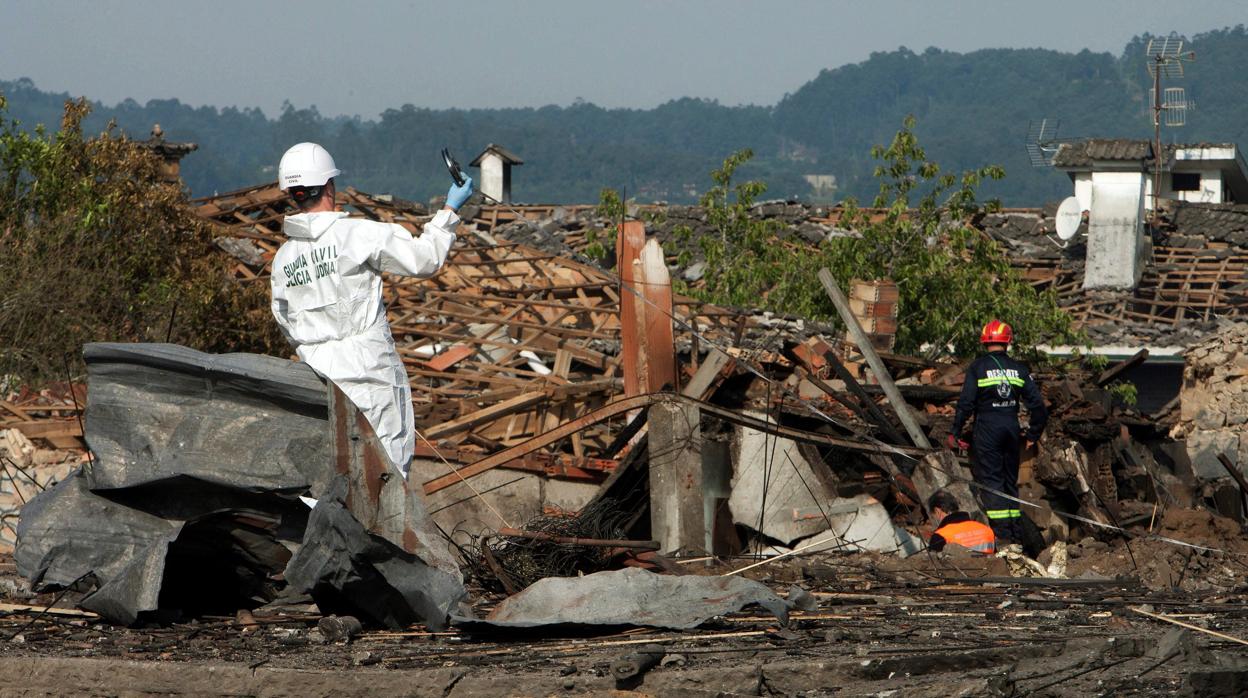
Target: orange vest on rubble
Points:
(972, 535)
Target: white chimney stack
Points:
(495, 163)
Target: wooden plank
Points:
(26, 608)
(45, 429)
(1109, 374)
(16, 411)
(708, 374)
(487, 414)
(873, 359)
(450, 357)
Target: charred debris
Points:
(591, 443)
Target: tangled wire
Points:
(525, 560)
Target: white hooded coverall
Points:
(327, 299)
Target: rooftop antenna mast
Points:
(1165, 58)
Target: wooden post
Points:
(1236, 475)
(629, 240)
(648, 354)
(657, 336)
(873, 359)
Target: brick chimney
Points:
(170, 153)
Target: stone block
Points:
(1203, 447)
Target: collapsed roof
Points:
(507, 340)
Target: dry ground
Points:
(929, 625)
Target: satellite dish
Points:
(1069, 216)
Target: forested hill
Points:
(972, 109)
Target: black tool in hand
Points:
(453, 167)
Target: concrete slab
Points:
(774, 488)
(868, 527)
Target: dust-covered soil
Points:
(938, 625)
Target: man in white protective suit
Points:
(327, 291)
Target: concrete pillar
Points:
(677, 517)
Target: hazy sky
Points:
(362, 57)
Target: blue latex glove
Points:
(459, 194)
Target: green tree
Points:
(742, 257)
(951, 277)
(97, 247)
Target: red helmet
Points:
(996, 332)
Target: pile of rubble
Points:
(51, 418)
(1195, 276)
(1214, 410)
(574, 443)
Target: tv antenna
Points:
(1042, 141)
(1165, 58)
(1174, 106)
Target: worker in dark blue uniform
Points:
(994, 386)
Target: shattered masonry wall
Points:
(798, 505)
(27, 471)
(1214, 401)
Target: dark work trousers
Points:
(996, 445)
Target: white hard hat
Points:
(306, 165)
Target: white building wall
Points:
(1210, 191)
(1117, 249)
(1083, 190)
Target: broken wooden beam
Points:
(46, 428)
(487, 414)
(46, 610)
(638, 401)
(587, 542)
(1239, 479)
(708, 375)
(873, 359)
(1108, 375)
(1189, 626)
(869, 412)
